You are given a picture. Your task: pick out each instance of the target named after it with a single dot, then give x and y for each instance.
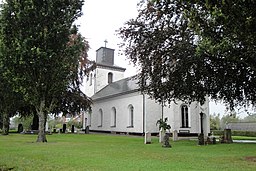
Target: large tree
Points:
(44, 57)
(11, 102)
(191, 49)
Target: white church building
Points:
(119, 107)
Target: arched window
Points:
(89, 119)
(110, 77)
(113, 117)
(184, 116)
(131, 116)
(100, 118)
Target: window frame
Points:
(113, 117)
(184, 116)
(100, 118)
(110, 77)
(130, 116)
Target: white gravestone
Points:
(147, 138)
(161, 135)
(175, 135)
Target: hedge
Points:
(236, 133)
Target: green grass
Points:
(243, 138)
(107, 152)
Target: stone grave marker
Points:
(175, 135)
(147, 138)
(86, 130)
(64, 128)
(166, 141)
(161, 135)
(72, 128)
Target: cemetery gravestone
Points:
(147, 138)
(175, 135)
(201, 139)
(227, 138)
(161, 135)
(20, 128)
(72, 128)
(166, 142)
(87, 130)
(64, 128)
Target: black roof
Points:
(123, 86)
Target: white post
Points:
(161, 135)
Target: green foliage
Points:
(190, 49)
(163, 124)
(11, 101)
(76, 123)
(1, 121)
(243, 133)
(44, 55)
(229, 118)
(215, 122)
(250, 118)
(218, 132)
(236, 133)
(55, 123)
(243, 138)
(25, 121)
(37, 40)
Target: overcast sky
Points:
(101, 19)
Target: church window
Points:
(131, 116)
(89, 119)
(90, 79)
(184, 116)
(85, 122)
(113, 117)
(110, 77)
(100, 118)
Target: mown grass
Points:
(109, 152)
(243, 138)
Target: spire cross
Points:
(106, 42)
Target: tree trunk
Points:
(6, 124)
(41, 115)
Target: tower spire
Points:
(105, 41)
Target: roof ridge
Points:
(121, 86)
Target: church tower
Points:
(102, 72)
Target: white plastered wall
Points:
(102, 77)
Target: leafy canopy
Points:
(44, 55)
(191, 49)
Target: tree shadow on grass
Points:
(5, 168)
(250, 158)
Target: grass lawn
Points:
(76, 152)
(243, 138)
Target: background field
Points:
(110, 152)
